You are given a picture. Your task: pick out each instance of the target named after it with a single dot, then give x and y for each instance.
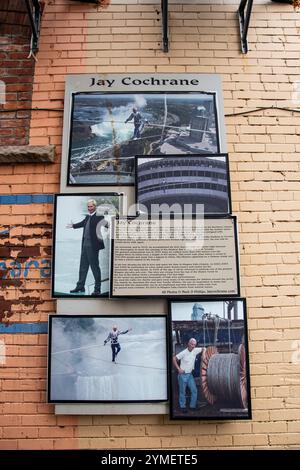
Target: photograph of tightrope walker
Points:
(109, 129)
(109, 119)
(107, 358)
(209, 362)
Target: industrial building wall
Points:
(264, 149)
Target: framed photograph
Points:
(174, 257)
(101, 358)
(81, 243)
(184, 184)
(111, 118)
(209, 360)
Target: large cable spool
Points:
(224, 378)
(243, 375)
(207, 353)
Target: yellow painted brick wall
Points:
(265, 171)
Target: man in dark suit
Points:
(91, 244)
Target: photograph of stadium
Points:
(183, 184)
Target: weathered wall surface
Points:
(264, 152)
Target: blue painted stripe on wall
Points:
(40, 198)
(31, 328)
(26, 199)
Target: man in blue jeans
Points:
(113, 336)
(185, 363)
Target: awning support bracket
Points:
(165, 38)
(34, 12)
(244, 20)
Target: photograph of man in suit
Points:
(92, 243)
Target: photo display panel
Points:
(183, 184)
(174, 257)
(107, 358)
(81, 243)
(109, 119)
(209, 359)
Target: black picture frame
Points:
(135, 150)
(211, 406)
(56, 294)
(189, 194)
(68, 383)
(168, 296)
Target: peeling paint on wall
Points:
(16, 269)
(25, 253)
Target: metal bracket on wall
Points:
(244, 20)
(244, 14)
(34, 12)
(164, 12)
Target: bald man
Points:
(184, 362)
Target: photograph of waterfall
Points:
(95, 358)
(109, 129)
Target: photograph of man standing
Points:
(137, 121)
(92, 243)
(184, 362)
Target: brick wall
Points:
(264, 152)
(16, 71)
